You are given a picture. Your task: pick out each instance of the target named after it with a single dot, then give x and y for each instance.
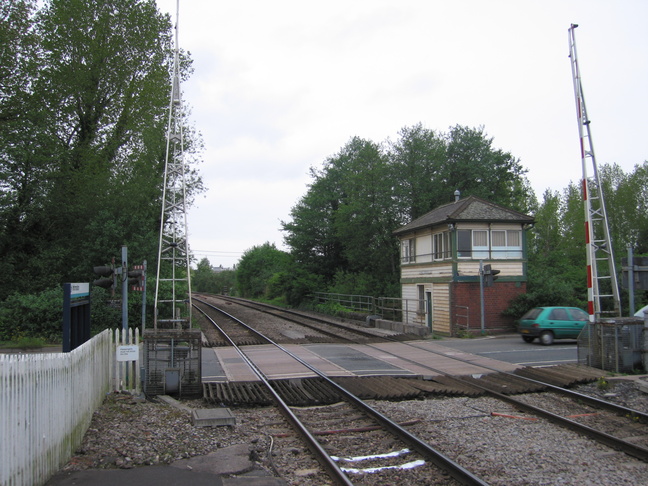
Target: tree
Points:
(553, 279)
(344, 222)
(342, 229)
(311, 235)
(257, 267)
(416, 161)
(474, 167)
(82, 164)
(366, 215)
(207, 279)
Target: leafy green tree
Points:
(32, 316)
(210, 280)
(557, 259)
(546, 240)
(311, 234)
(294, 286)
(573, 225)
(474, 167)
(344, 223)
(342, 229)
(257, 267)
(416, 161)
(626, 197)
(366, 215)
(81, 162)
(553, 279)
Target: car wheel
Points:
(528, 339)
(547, 338)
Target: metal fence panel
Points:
(611, 346)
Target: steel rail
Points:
(604, 438)
(322, 456)
(617, 443)
(574, 395)
(280, 312)
(593, 401)
(455, 470)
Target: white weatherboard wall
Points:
(46, 405)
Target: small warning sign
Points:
(128, 353)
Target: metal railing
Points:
(396, 309)
(411, 311)
(355, 303)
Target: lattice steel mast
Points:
(601, 273)
(173, 282)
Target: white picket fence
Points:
(125, 375)
(47, 402)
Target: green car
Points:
(549, 323)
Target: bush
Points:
(104, 315)
(32, 315)
(40, 316)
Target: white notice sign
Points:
(79, 289)
(128, 353)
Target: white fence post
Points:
(125, 375)
(47, 402)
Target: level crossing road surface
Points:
(511, 349)
(415, 359)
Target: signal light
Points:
(137, 278)
(490, 275)
(108, 279)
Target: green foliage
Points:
(257, 268)
(297, 285)
(40, 315)
(342, 228)
(25, 343)
(362, 283)
(32, 315)
(603, 383)
(82, 144)
(332, 308)
(215, 281)
(105, 313)
(82, 137)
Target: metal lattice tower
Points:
(173, 282)
(602, 285)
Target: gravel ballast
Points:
(482, 434)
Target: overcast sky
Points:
(279, 86)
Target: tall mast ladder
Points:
(602, 286)
(173, 290)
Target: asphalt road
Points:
(511, 349)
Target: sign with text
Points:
(128, 353)
(79, 290)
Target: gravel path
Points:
(501, 449)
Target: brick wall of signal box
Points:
(496, 300)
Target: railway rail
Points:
(427, 454)
(318, 329)
(618, 427)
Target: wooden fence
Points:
(47, 402)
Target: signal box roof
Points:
(469, 210)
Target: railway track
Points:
(618, 427)
(304, 329)
(422, 458)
